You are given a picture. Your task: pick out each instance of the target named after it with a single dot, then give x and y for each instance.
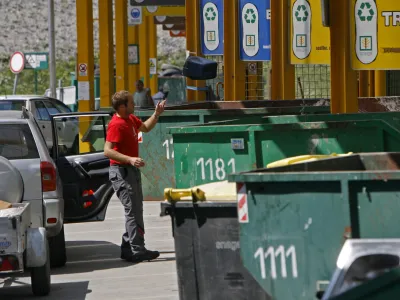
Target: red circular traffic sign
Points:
(17, 62)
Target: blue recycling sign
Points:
(255, 30)
(212, 27)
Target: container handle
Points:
(173, 195)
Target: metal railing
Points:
(313, 81)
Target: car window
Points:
(52, 109)
(41, 111)
(61, 107)
(12, 105)
(92, 134)
(17, 142)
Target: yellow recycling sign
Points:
(310, 41)
(374, 34)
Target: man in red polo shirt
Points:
(123, 150)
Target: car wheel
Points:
(58, 252)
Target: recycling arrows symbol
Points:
(250, 16)
(365, 8)
(210, 14)
(301, 8)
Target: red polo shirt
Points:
(124, 134)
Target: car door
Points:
(83, 169)
(42, 116)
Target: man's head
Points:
(139, 85)
(123, 104)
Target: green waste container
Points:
(156, 147)
(208, 153)
(295, 219)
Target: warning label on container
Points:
(243, 210)
(140, 137)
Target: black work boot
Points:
(126, 253)
(145, 255)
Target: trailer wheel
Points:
(40, 277)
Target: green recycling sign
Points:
(301, 13)
(250, 16)
(210, 14)
(366, 12)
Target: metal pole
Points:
(60, 87)
(36, 82)
(15, 84)
(52, 53)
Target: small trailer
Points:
(23, 248)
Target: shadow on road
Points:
(89, 256)
(59, 291)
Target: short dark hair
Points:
(120, 98)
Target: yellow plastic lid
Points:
(215, 191)
(302, 159)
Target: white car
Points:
(29, 174)
(42, 109)
(65, 187)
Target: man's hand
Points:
(160, 107)
(136, 162)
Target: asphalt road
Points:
(94, 269)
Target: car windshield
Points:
(17, 142)
(12, 104)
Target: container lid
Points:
(210, 192)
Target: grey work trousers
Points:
(127, 184)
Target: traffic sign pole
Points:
(15, 84)
(52, 50)
(36, 81)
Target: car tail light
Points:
(87, 204)
(87, 193)
(8, 263)
(48, 171)
(51, 220)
